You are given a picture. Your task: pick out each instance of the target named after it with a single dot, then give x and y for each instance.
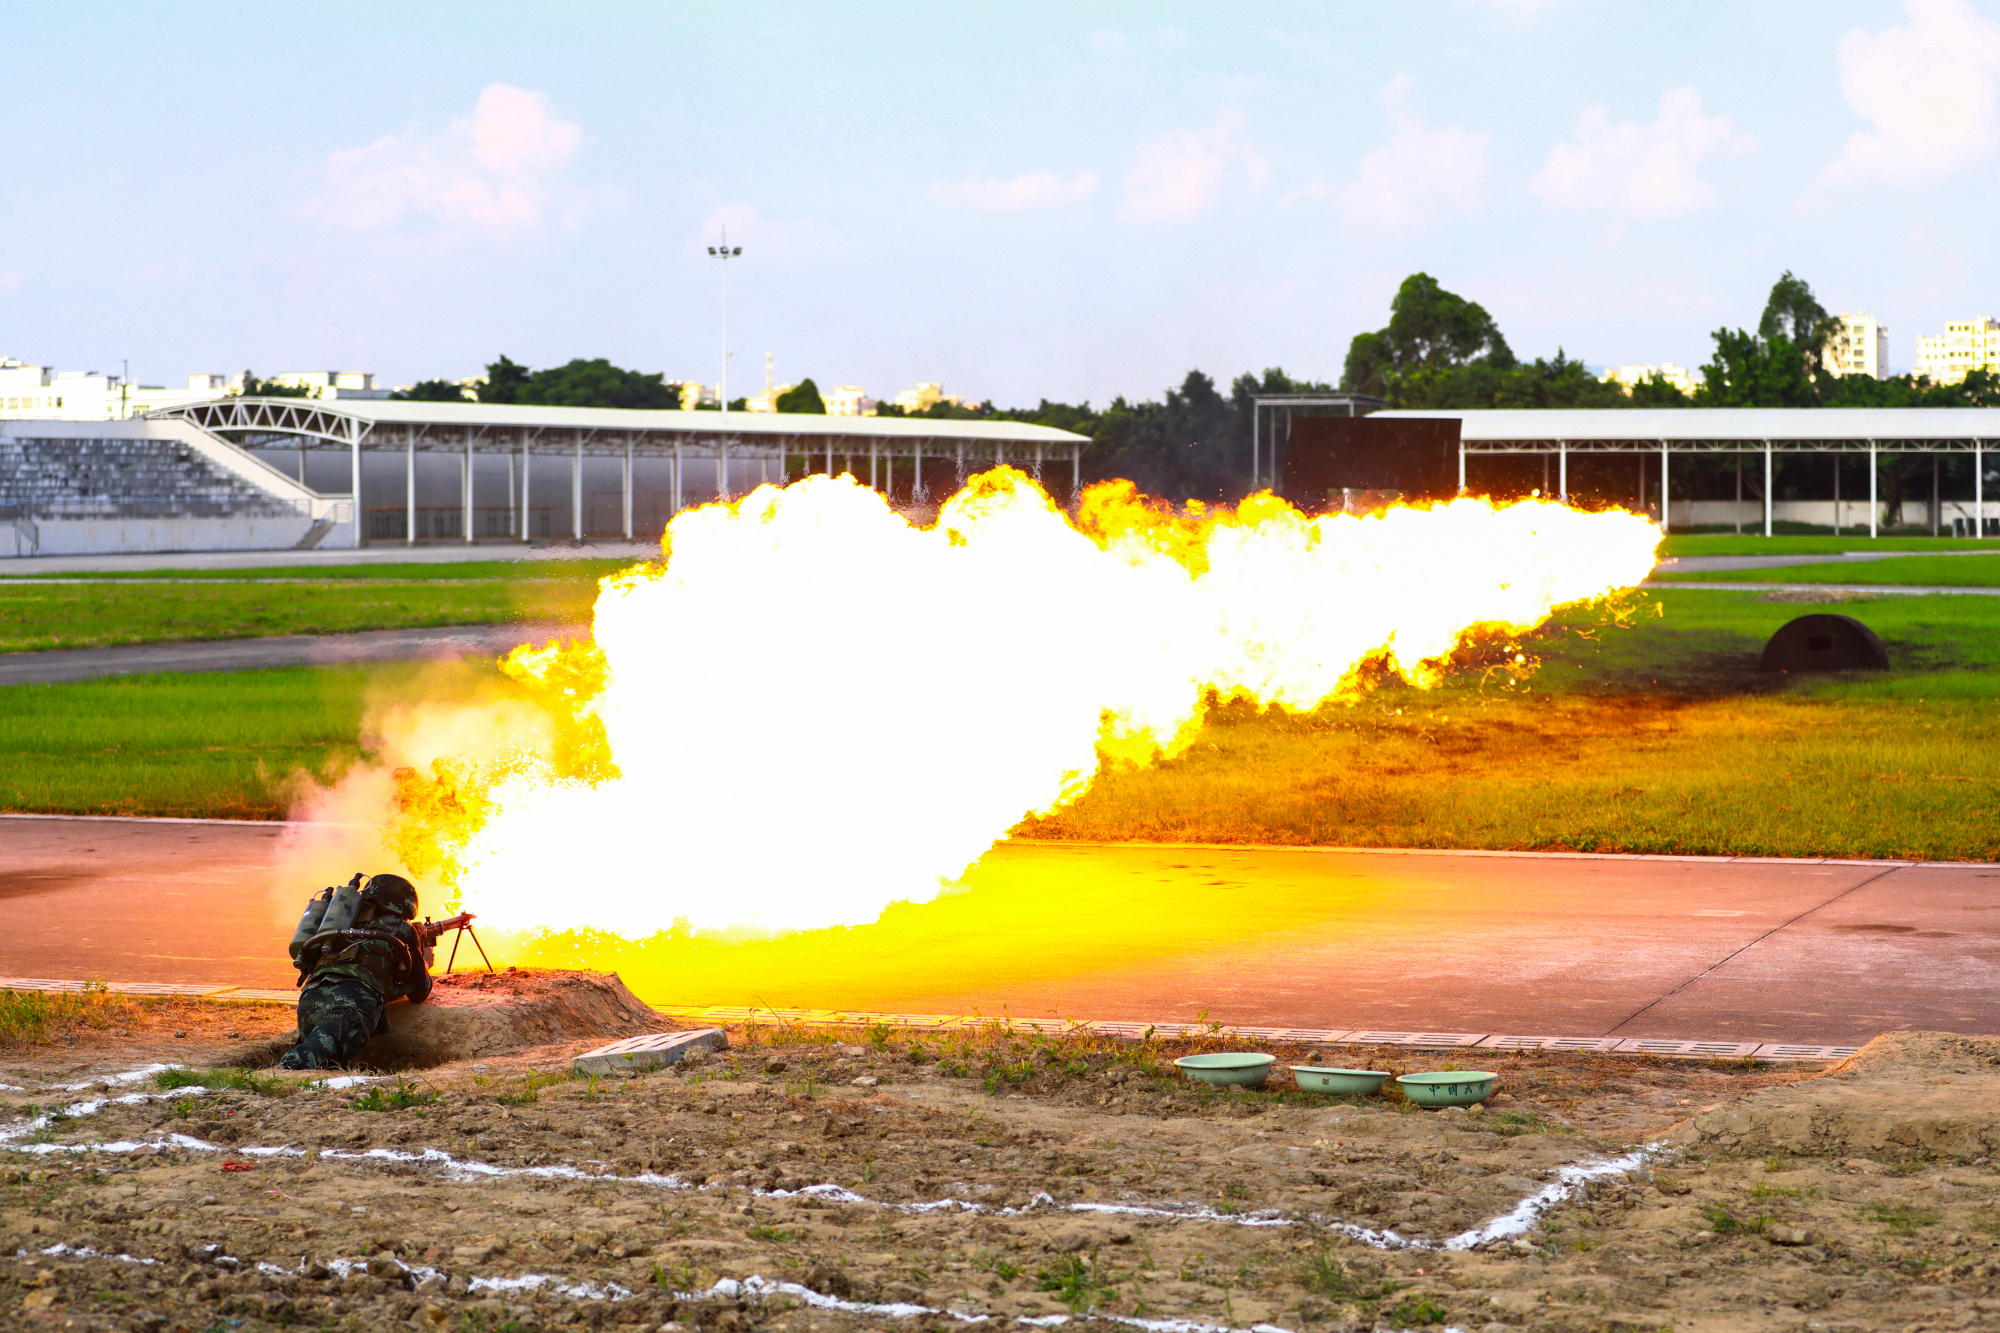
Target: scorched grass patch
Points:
(1661, 737)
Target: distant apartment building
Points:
(1861, 347)
(847, 400)
(928, 395)
(1625, 377)
(1972, 344)
(324, 383)
(41, 393)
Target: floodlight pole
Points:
(725, 252)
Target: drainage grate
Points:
(1603, 1044)
(1718, 1049)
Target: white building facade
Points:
(1966, 345)
(41, 393)
(1861, 347)
(1628, 376)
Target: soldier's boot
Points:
(335, 1039)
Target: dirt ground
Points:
(816, 1180)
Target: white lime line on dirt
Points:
(1517, 1220)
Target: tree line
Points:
(1439, 350)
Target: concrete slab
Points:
(1438, 944)
(636, 1055)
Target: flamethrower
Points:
(429, 932)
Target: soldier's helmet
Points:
(392, 894)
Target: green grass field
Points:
(1658, 737)
(571, 568)
(203, 744)
(1727, 543)
(1937, 571)
(38, 615)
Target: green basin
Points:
(1461, 1088)
(1225, 1067)
(1344, 1082)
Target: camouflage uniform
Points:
(352, 980)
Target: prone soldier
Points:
(357, 952)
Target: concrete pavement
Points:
(1694, 948)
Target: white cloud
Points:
(1107, 39)
(1929, 90)
(1639, 171)
(497, 170)
(10, 279)
(1030, 189)
(1419, 170)
(1181, 174)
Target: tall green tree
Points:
(1429, 329)
(1792, 312)
(802, 398)
(433, 391)
(580, 383)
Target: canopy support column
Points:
(871, 465)
(917, 485)
(354, 480)
(466, 496)
(1739, 494)
(1075, 472)
(1256, 420)
(1874, 505)
(1562, 470)
(576, 492)
(627, 485)
(1664, 496)
(1767, 488)
(1836, 493)
(677, 474)
(410, 487)
(526, 473)
(1461, 467)
(1936, 504)
(1978, 491)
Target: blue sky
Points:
(1071, 201)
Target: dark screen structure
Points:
(1327, 458)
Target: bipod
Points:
(467, 930)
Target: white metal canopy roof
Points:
(1749, 426)
(747, 425)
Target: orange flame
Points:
(815, 709)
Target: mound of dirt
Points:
(473, 1014)
(1905, 1093)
